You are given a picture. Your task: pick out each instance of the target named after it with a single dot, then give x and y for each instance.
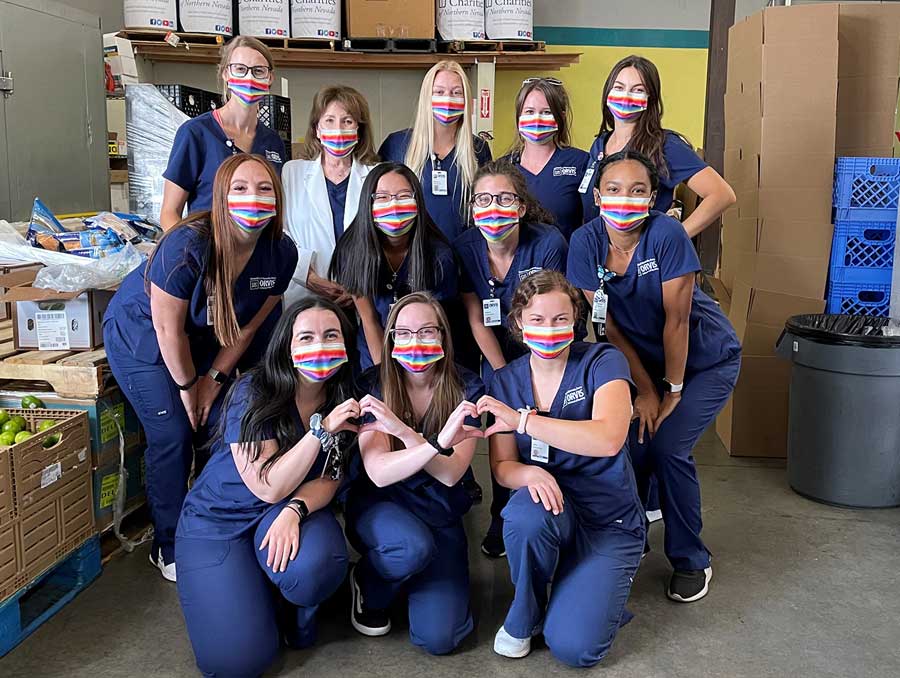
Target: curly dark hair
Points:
(534, 211)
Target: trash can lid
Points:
(847, 330)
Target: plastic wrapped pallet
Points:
(509, 19)
(316, 19)
(264, 18)
(159, 14)
(206, 16)
(151, 122)
(460, 19)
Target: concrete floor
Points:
(800, 589)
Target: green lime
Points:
(12, 426)
(52, 440)
(31, 402)
(44, 424)
(22, 436)
(4, 417)
(7, 438)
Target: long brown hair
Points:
(649, 137)
(535, 213)
(448, 387)
(228, 49)
(221, 233)
(542, 282)
(557, 101)
(356, 106)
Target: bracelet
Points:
(188, 386)
(523, 418)
(433, 441)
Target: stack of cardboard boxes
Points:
(804, 84)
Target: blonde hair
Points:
(228, 49)
(356, 106)
(421, 142)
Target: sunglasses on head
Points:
(556, 82)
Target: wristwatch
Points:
(523, 418)
(433, 441)
(669, 387)
(216, 376)
(188, 386)
(300, 507)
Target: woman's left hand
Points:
(385, 420)
(207, 392)
(455, 430)
(506, 419)
(669, 403)
(283, 540)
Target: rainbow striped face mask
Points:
(395, 217)
(626, 105)
(538, 128)
(318, 362)
(548, 342)
(251, 212)
(624, 213)
(447, 110)
(248, 89)
(496, 222)
(417, 355)
(339, 142)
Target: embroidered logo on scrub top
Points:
(529, 271)
(647, 266)
(273, 156)
(262, 284)
(573, 395)
(564, 171)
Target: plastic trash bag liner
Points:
(854, 330)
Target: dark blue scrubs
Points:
(337, 198)
(556, 187)
(447, 211)
(411, 537)
(681, 161)
(636, 304)
(201, 146)
(592, 549)
(222, 573)
(132, 348)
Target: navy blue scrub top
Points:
(392, 287)
(179, 268)
(220, 505)
(422, 494)
(664, 252)
(201, 146)
(556, 187)
(540, 247)
(337, 197)
(682, 161)
(447, 211)
(601, 490)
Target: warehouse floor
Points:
(800, 589)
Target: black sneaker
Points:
(492, 545)
(686, 586)
(473, 489)
(368, 622)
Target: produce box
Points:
(12, 275)
(106, 485)
(399, 19)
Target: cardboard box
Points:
(390, 19)
(12, 275)
(106, 486)
(799, 276)
(759, 316)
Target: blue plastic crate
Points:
(859, 298)
(862, 251)
(866, 189)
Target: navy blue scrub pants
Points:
(227, 597)
(591, 569)
(431, 564)
(669, 456)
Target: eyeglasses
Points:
(556, 82)
(429, 334)
(241, 70)
(504, 199)
(382, 198)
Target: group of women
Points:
(328, 337)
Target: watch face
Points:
(315, 421)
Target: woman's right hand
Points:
(646, 408)
(544, 490)
(385, 420)
(191, 399)
(328, 289)
(339, 418)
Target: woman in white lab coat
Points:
(322, 188)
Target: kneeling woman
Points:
(574, 519)
(259, 513)
(405, 515)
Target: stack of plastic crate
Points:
(865, 228)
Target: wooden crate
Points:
(185, 38)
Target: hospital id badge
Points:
(210, 304)
(598, 309)
(586, 181)
(540, 451)
(491, 311)
(439, 182)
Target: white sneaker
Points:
(168, 571)
(507, 646)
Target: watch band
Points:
(523, 418)
(188, 386)
(673, 388)
(433, 441)
(216, 376)
(300, 507)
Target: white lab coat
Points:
(308, 217)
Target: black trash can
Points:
(844, 422)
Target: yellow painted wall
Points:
(682, 71)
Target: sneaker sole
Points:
(364, 630)
(161, 570)
(493, 555)
(510, 655)
(702, 594)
